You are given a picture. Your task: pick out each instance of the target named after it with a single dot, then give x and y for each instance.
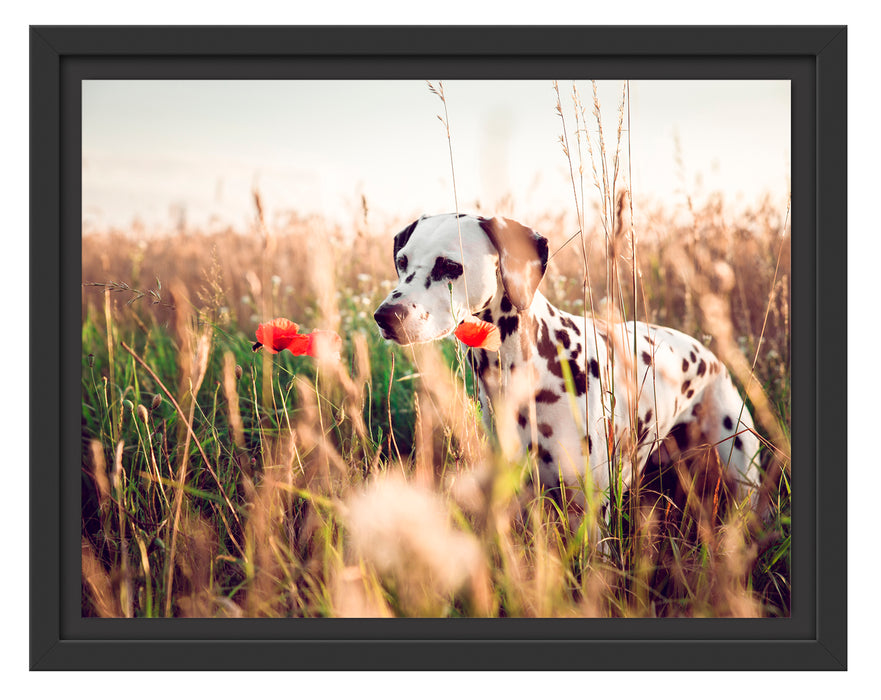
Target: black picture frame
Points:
(813, 58)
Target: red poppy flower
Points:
(479, 334)
(282, 334)
(276, 335)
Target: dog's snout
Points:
(388, 317)
(387, 314)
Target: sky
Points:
(154, 151)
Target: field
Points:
(219, 481)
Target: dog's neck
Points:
(533, 336)
(501, 312)
(518, 330)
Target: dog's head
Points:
(450, 267)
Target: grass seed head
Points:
(406, 533)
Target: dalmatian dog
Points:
(589, 395)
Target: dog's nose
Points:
(388, 318)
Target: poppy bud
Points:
(238, 371)
(157, 402)
(142, 413)
(128, 404)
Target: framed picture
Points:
(439, 348)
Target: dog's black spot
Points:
(589, 445)
(545, 345)
(548, 350)
(506, 303)
(410, 277)
(649, 340)
(647, 359)
(684, 364)
(562, 338)
(485, 365)
(685, 385)
(486, 315)
(486, 303)
(689, 394)
(546, 396)
(569, 323)
(545, 429)
(701, 368)
(648, 416)
(679, 433)
(540, 452)
(551, 311)
(728, 423)
(508, 325)
(445, 269)
(579, 379)
(595, 368)
(522, 419)
(738, 443)
(576, 351)
(642, 431)
(693, 356)
(482, 362)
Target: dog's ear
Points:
(523, 258)
(404, 236)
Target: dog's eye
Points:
(402, 263)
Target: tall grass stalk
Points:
(445, 120)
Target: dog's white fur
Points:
(682, 390)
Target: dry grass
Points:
(268, 535)
(221, 482)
